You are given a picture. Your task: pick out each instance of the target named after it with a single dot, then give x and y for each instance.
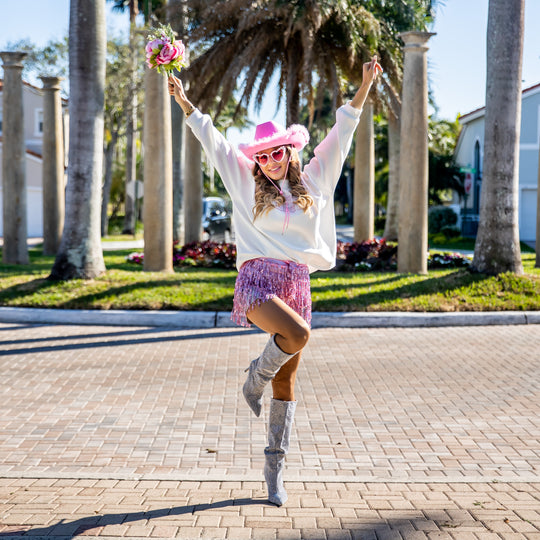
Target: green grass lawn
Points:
(127, 286)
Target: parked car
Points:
(216, 220)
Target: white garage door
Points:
(34, 213)
(527, 215)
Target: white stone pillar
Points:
(392, 205)
(413, 170)
(53, 166)
(15, 250)
(157, 210)
(364, 177)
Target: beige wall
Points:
(32, 102)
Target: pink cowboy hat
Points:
(270, 134)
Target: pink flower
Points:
(180, 48)
(167, 54)
(153, 45)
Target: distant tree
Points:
(48, 60)
(444, 174)
(120, 86)
(497, 246)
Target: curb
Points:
(221, 319)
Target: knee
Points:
(298, 336)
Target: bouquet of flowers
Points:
(163, 51)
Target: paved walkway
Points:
(400, 433)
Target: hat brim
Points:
(295, 135)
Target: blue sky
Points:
(457, 65)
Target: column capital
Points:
(416, 40)
(13, 58)
(50, 82)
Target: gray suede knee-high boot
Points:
(261, 371)
(279, 434)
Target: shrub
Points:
(448, 260)
(207, 254)
(441, 217)
(372, 255)
(450, 232)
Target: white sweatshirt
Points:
(308, 238)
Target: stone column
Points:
(364, 177)
(413, 170)
(392, 205)
(53, 166)
(15, 250)
(157, 210)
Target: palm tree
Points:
(310, 44)
(80, 254)
(497, 244)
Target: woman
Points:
(285, 229)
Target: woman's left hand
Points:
(370, 70)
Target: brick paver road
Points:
(142, 432)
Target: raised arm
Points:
(324, 169)
(231, 165)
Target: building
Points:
(469, 155)
(33, 135)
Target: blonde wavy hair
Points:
(268, 197)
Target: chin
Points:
(278, 175)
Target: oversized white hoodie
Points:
(306, 238)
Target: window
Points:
(39, 122)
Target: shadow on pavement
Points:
(121, 342)
(409, 526)
(71, 529)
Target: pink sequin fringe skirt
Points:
(259, 280)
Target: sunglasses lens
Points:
(277, 155)
(262, 159)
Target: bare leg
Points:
(283, 382)
(276, 317)
(292, 334)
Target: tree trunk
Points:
(131, 127)
(178, 20)
(392, 207)
(193, 191)
(178, 142)
(364, 177)
(80, 254)
(107, 183)
(293, 90)
(497, 244)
